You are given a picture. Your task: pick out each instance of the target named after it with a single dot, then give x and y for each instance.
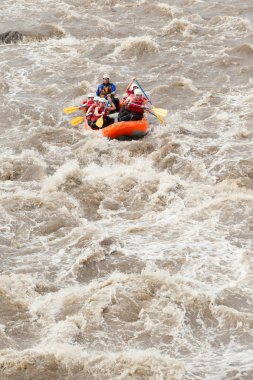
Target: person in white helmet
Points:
(107, 90)
(134, 107)
(91, 110)
(87, 103)
(103, 109)
(131, 87)
(129, 91)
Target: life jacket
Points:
(86, 105)
(127, 94)
(100, 110)
(136, 106)
(130, 99)
(89, 103)
(90, 116)
(130, 92)
(105, 90)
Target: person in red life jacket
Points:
(87, 103)
(129, 91)
(131, 87)
(91, 110)
(100, 111)
(107, 88)
(134, 107)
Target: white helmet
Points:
(102, 100)
(106, 76)
(91, 95)
(133, 85)
(96, 98)
(137, 92)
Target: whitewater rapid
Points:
(127, 259)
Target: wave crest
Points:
(136, 47)
(241, 50)
(230, 23)
(28, 167)
(71, 362)
(179, 26)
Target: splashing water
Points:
(127, 260)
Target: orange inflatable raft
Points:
(124, 129)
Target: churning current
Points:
(126, 259)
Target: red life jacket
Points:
(87, 105)
(90, 102)
(130, 92)
(124, 98)
(136, 106)
(89, 117)
(100, 110)
(132, 98)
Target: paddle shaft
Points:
(144, 93)
(138, 105)
(145, 108)
(160, 119)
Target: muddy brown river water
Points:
(131, 259)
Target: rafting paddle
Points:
(160, 113)
(151, 111)
(73, 108)
(100, 121)
(77, 120)
(160, 118)
(70, 109)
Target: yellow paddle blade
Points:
(160, 115)
(159, 111)
(70, 109)
(161, 119)
(100, 122)
(77, 120)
